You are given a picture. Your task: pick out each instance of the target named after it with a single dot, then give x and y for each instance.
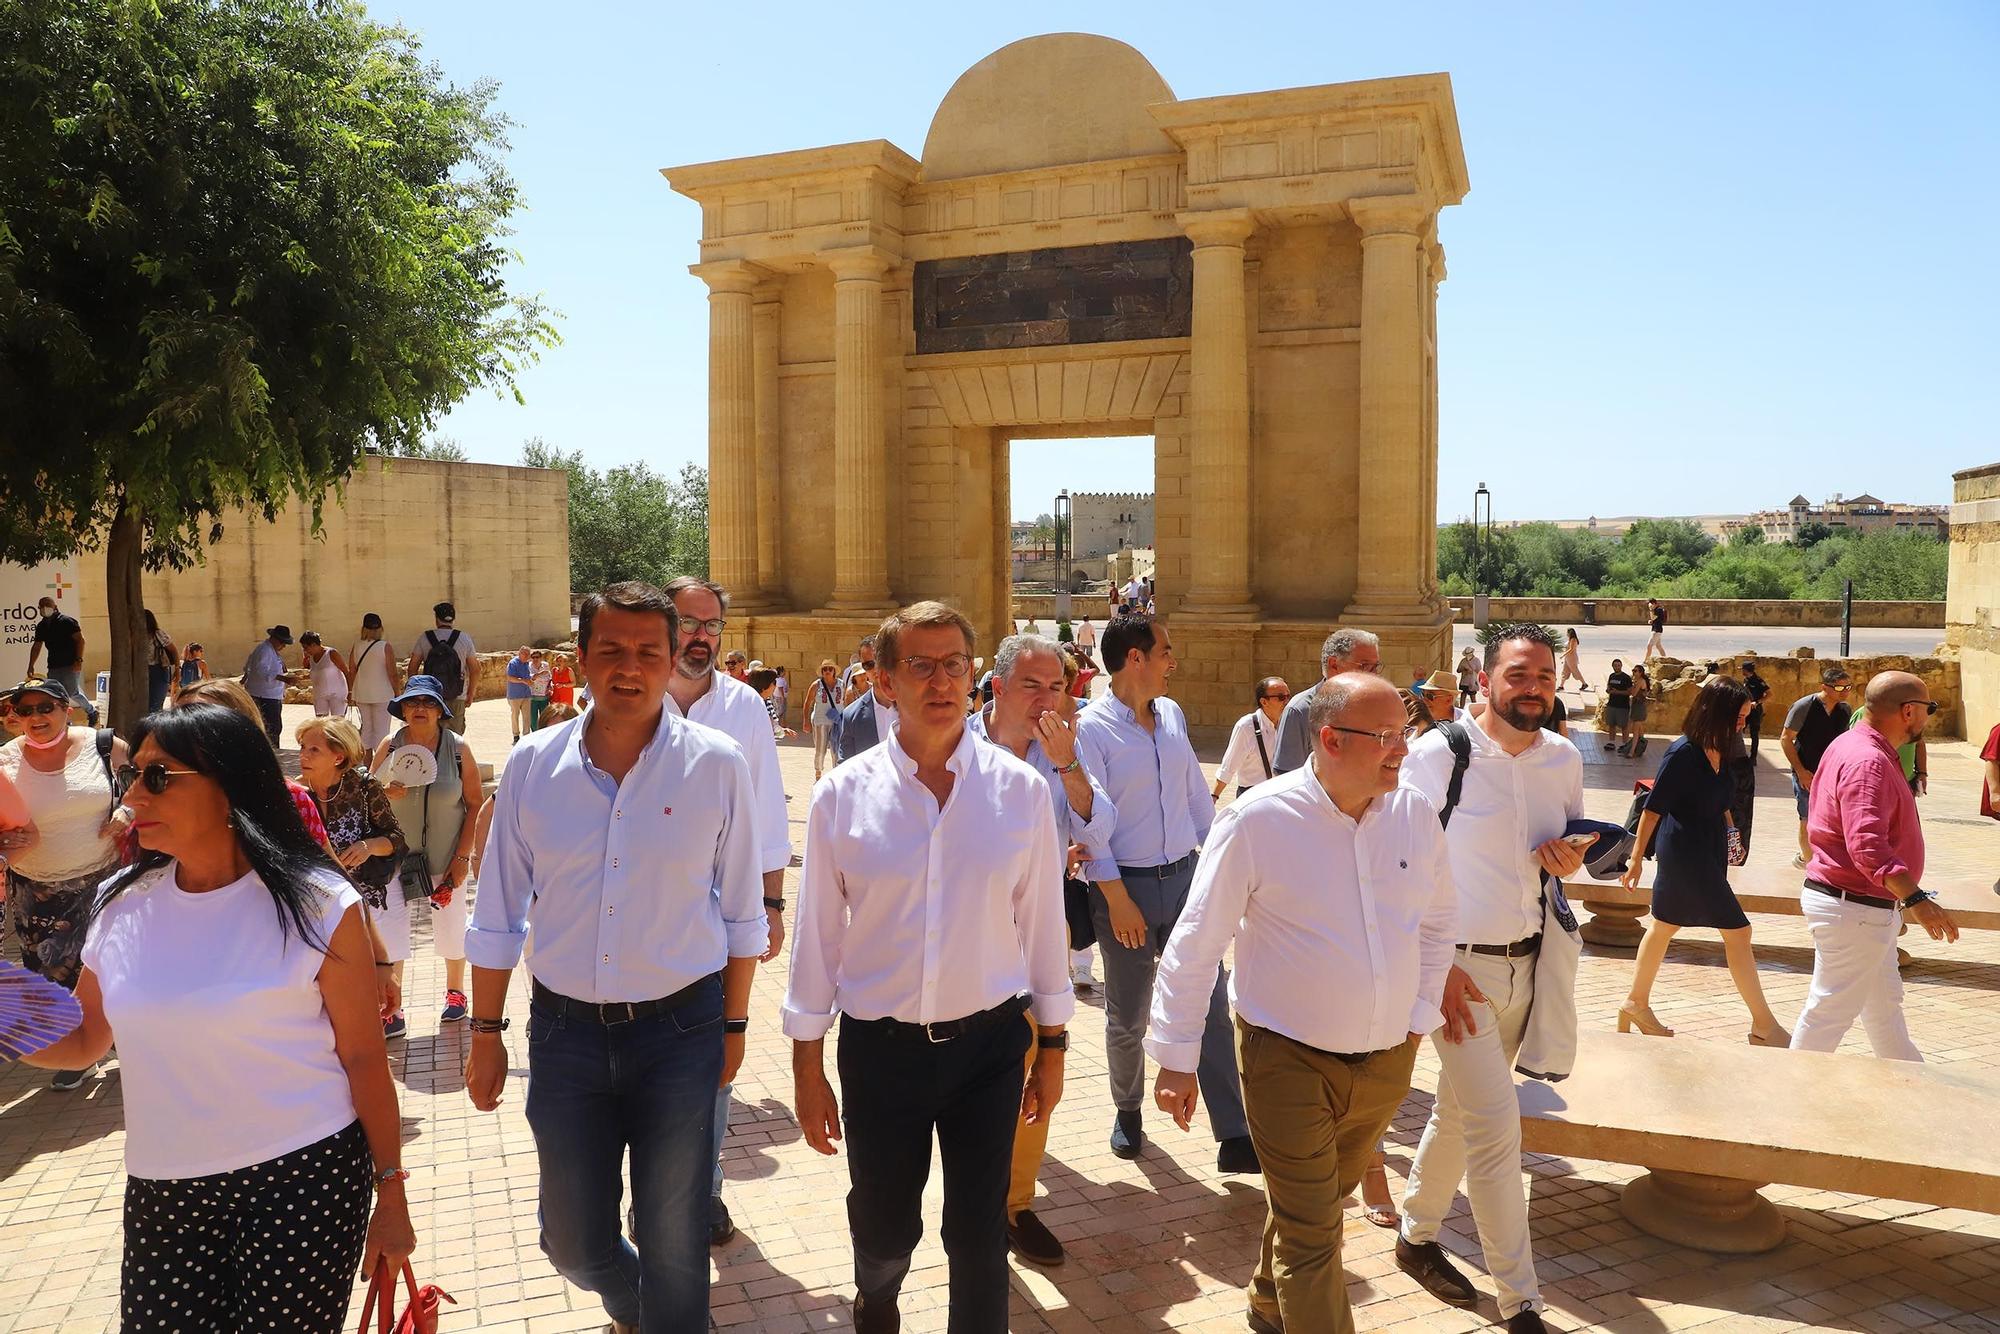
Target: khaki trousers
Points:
(1031, 1142)
(1316, 1121)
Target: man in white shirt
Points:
(1334, 885)
(1026, 719)
(1246, 760)
(1345, 650)
(715, 699)
(1135, 593)
(930, 924)
(1521, 787)
(625, 843)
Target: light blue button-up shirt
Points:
(1095, 833)
(263, 673)
(629, 890)
(1154, 780)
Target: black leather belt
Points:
(944, 1030)
(613, 1012)
(1519, 949)
(1156, 872)
(1865, 900)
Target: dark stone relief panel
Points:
(1052, 298)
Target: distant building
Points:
(1863, 513)
(1106, 521)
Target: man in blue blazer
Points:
(861, 724)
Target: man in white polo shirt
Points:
(1516, 794)
(1333, 882)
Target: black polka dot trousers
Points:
(272, 1248)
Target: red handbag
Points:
(419, 1317)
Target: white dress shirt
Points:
(1243, 765)
(1509, 806)
(628, 890)
(1344, 928)
(1155, 782)
(912, 912)
(1095, 833)
(734, 709)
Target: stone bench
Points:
(1616, 910)
(1712, 1122)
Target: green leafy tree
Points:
(242, 242)
(1750, 535)
(1811, 534)
(443, 448)
(629, 522)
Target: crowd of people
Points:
(1389, 872)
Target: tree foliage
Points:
(629, 522)
(242, 242)
(1673, 558)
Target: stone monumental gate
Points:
(1251, 280)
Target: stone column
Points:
(860, 448)
(1392, 524)
(1219, 418)
(770, 546)
(732, 429)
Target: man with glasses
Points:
(1865, 873)
(1134, 742)
(1332, 882)
(930, 924)
(867, 714)
(1507, 806)
(1246, 760)
(1812, 724)
(715, 699)
(1345, 650)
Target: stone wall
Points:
(1716, 611)
(408, 533)
(1791, 679)
(1972, 603)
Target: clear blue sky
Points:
(1713, 254)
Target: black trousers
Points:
(899, 1088)
(273, 711)
(267, 1249)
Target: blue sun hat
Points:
(420, 687)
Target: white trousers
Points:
(333, 705)
(1854, 976)
(394, 924)
(448, 924)
(375, 723)
(1474, 1133)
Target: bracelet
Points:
(488, 1025)
(385, 963)
(735, 1025)
(392, 1174)
(776, 905)
(1071, 767)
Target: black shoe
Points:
(1426, 1264)
(1263, 1324)
(1526, 1322)
(876, 1320)
(721, 1227)
(66, 1080)
(1029, 1238)
(1127, 1139)
(1237, 1154)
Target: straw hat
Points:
(1440, 683)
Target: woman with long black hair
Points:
(231, 967)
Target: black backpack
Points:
(443, 662)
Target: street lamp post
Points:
(1479, 551)
(1062, 555)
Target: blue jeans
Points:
(721, 1129)
(71, 679)
(594, 1090)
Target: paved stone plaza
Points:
(1160, 1243)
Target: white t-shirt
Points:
(224, 1043)
(69, 807)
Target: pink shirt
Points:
(1862, 823)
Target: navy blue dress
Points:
(1691, 884)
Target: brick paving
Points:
(1160, 1243)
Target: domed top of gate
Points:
(1047, 101)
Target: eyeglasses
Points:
(1385, 738)
(868, 664)
(689, 625)
(155, 776)
(1275, 695)
(39, 710)
(955, 665)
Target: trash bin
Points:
(1590, 613)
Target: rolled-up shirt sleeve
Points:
(1236, 755)
(498, 931)
(1865, 807)
(739, 870)
(1039, 919)
(811, 990)
(1223, 881)
(1437, 938)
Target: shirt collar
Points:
(1879, 741)
(1481, 740)
(669, 719)
(1316, 794)
(958, 762)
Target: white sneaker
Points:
(1080, 975)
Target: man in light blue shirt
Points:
(264, 679)
(1134, 742)
(625, 844)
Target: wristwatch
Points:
(1921, 896)
(735, 1025)
(776, 905)
(1052, 1041)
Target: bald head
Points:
(1899, 706)
(1349, 716)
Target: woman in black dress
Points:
(1695, 842)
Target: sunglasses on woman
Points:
(155, 776)
(41, 710)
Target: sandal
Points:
(1375, 1181)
